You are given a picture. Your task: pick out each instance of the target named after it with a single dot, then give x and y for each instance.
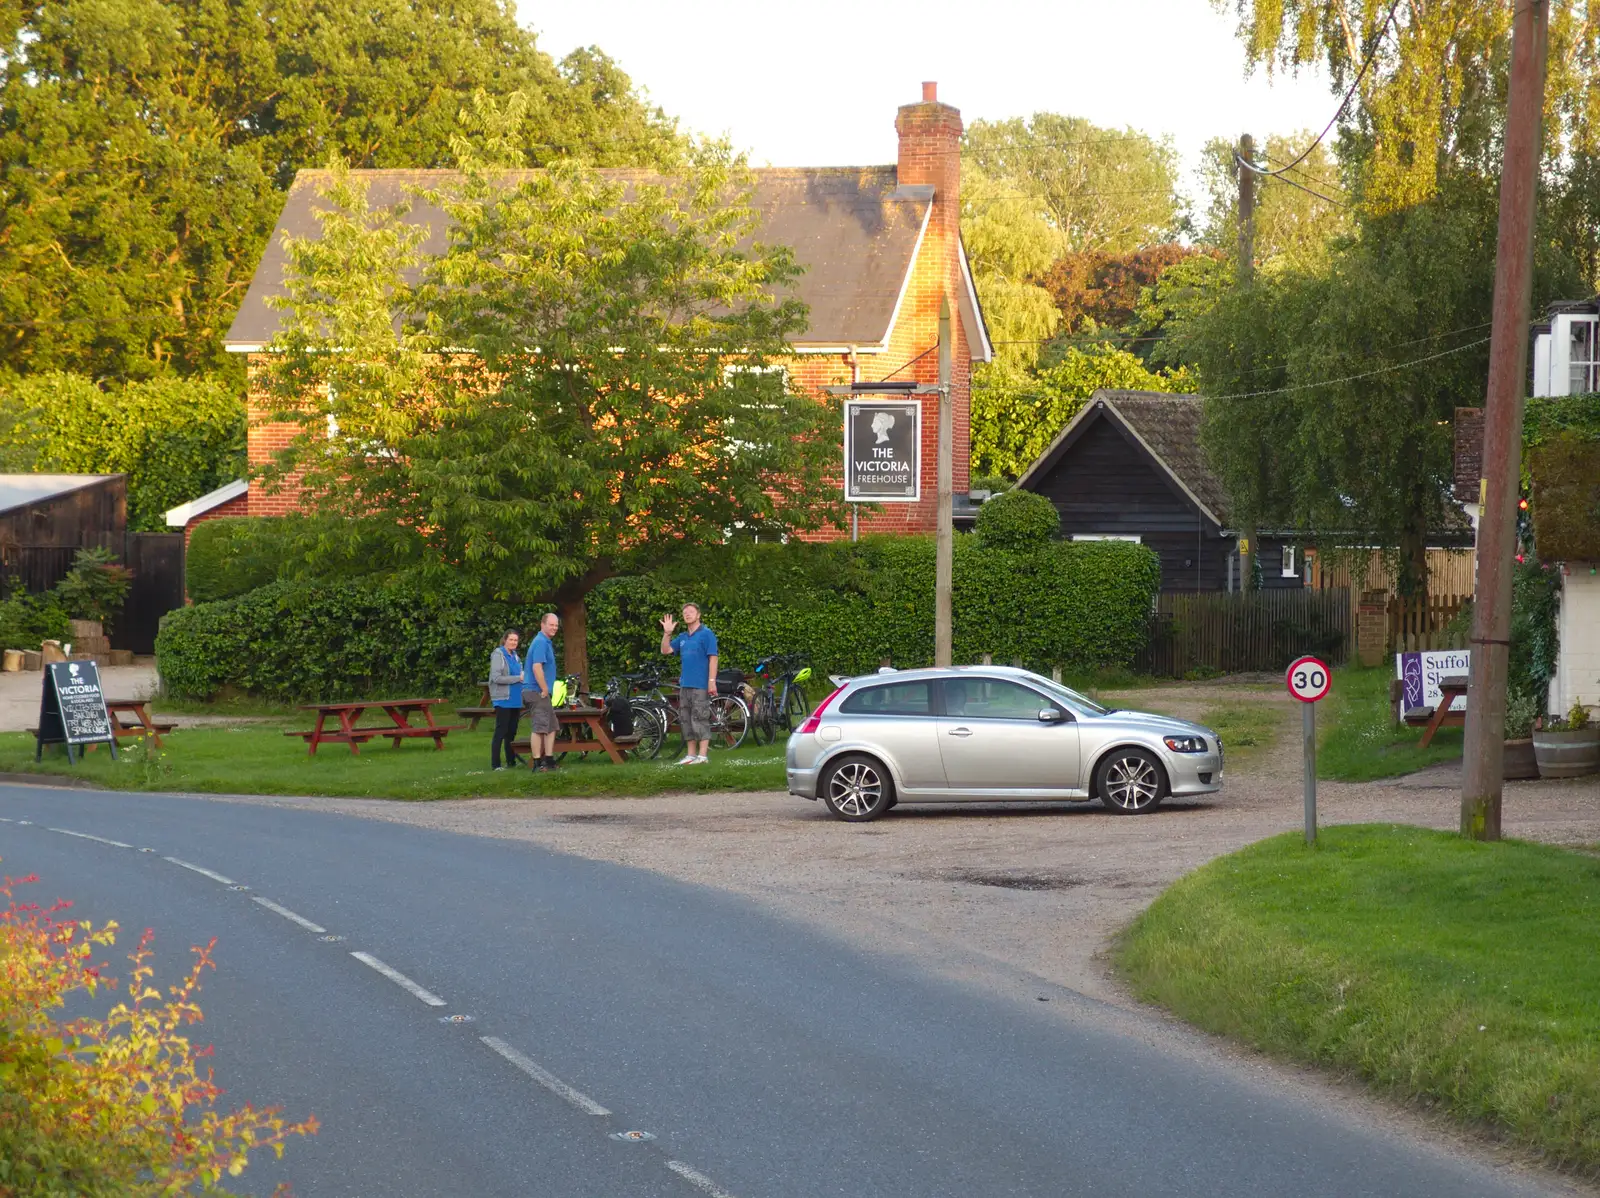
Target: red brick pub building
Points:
(881, 247)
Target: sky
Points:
(817, 84)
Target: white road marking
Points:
(400, 979)
(545, 1078)
(698, 1179)
(201, 870)
(289, 915)
(116, 844)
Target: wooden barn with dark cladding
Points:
(1130, 467)
(66, 511)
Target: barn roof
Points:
(853, 229)
(22, 490)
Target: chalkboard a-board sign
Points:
(72, 710)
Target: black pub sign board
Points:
(72, 710)
(882, 450)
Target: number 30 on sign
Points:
(1308, 679)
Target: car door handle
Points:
(961, 732)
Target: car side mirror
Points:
(1051, 715)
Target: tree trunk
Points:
(1413, 581)
(575, 638)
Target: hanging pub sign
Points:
(72, 710)
(882, 450)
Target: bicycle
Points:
(730, 715)
(648, 725)
(781, 698)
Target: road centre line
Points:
(116, 844)
(545, 1078)
(698, 1179)
(202, 871)
(288, 914)
(400, 979)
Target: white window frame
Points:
(1136, 538)
(1291, 564)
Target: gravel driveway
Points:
(1035, 891)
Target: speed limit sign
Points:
(1308, 679)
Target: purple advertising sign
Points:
(1420, 674)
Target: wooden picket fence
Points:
(1216, 632)
(1416, 626)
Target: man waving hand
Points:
(696, 647)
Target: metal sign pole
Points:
(1309, 722)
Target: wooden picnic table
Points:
(1450, 689)
(574, 721)
(398, 729)
(140, 725)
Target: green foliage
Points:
(1565, 470)
(1292, 226)
(615, 405)
(1016, 413)
(175, 438)
(1017, 520)
(146, 145)
(26, 620)
(230, 556)
(846, 606)
(1449, 974)
(96, 587)
(1535, 644)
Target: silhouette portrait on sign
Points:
(881, 424)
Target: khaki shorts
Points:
(541, 716)
(694, 712)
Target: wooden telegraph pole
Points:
(1483, 763)
(944, 554)
(1245, 273)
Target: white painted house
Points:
(1566, 361)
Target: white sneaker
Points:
(687, 759)
(702, 760)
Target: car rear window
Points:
(894, 698)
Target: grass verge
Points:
(1358, 739)
(259, 759)
(1459, 975)
(1247, 729)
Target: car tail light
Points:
(815, 717)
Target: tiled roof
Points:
(852, 228)
(1170, 426)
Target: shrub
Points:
(112, 1106)
(96, 587)
(846, 606)
(1017, 520)
(233, 555)
(26, 620)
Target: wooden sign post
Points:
(72, 709)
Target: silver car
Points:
(990, 733)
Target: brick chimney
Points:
(930, 152)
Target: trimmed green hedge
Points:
(234, 555)
(845, 606)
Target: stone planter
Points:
(1520, 762)
(1567, 754)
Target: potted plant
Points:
(93, 592)
(1520, 763)
(1567, 748)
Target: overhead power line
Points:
(1352, 378)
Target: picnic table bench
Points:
(125, 729)
(589, 733)
(484, 710)
(398, 728)
(1450, 689)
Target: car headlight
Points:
(1186, 744)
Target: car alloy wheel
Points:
(1131, 781)
(858, 789)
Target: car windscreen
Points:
(1081, 703)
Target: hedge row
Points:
(234, 555)
(845, 606)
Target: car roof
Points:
(944, 672)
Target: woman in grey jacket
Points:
(505, 693)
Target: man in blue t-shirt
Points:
(539, 680)
(696, 647)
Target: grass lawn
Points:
(1458, 975)
(1247, 729)
(258, 758)
(1358, 739)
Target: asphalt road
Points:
(766, 1060)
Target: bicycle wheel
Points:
(762, 726)
(647, 727)
(730, 721)
(648, 716)
(795, 708)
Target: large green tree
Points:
(144, 145)
(582, 383)
(1299, 211)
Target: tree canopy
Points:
(1292, 225)
(583, 381)
(144, 145)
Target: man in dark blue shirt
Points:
(540, 679)
(696, 647)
